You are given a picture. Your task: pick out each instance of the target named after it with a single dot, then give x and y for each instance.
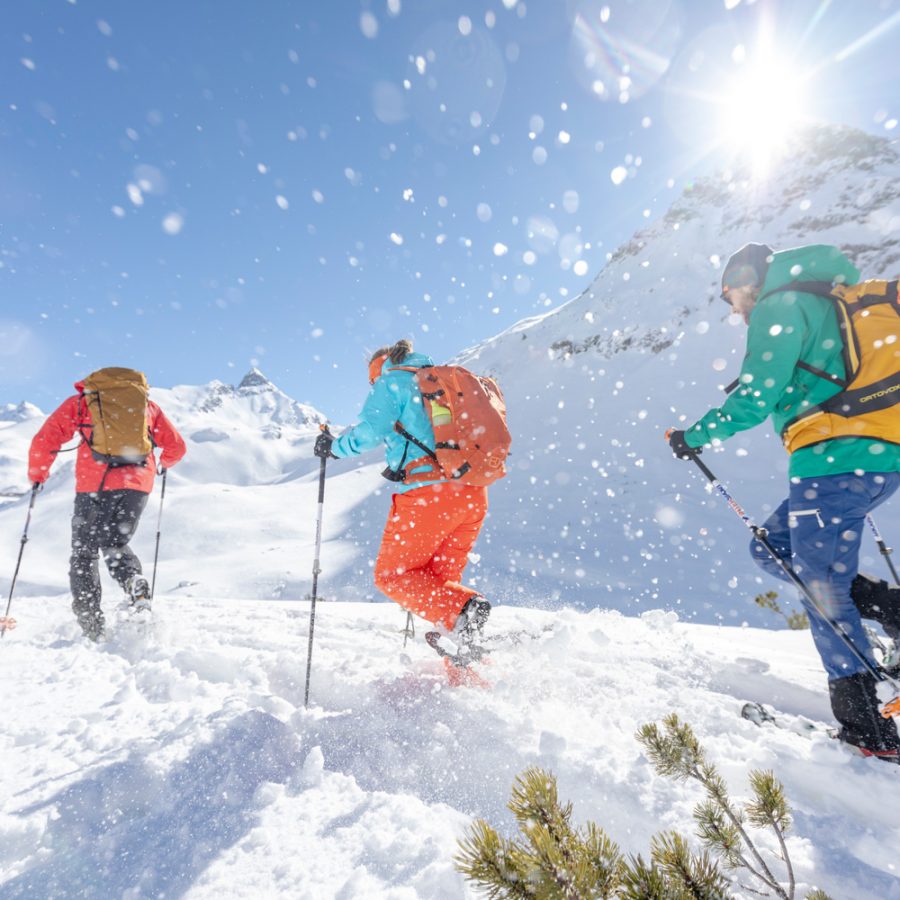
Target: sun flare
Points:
(760, 109)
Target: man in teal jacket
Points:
(794, 344)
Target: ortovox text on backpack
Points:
(867, 404)
(468, 415)
(117, 400)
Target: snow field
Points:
(178, 759)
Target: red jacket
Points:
(63, 425)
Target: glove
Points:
(323, 446)
(679, 446)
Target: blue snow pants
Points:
(818, 529)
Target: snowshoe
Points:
(137, 593)
(460, 655)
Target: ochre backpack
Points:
(866, 406)
(117, 400)
(468, 414)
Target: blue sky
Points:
(195, 188)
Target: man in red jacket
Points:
(109, 501)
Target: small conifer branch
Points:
(544, 822)
(491, 862)
(770, 808)
(678, 753)
(603, 859)
(698, 876)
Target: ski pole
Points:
(162, 497)
(409, 630)
(892, 707)
(316, 570)
(883, 547)
(7, 623)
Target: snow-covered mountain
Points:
(595, 510)
(595, 500)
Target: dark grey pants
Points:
(105, 522)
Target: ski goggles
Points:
(375, 368)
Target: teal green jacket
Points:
(787, 328)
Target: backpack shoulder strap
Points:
(850, 352)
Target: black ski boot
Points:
(877, 599)
(854, 702)
(92, 625)
(469, 627)
(466, 634)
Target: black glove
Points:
(679, 446)
(323, 446)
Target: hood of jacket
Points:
(415, 360)
(815, 262)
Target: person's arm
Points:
(59, 428)
(166, 437)
(379, 414)
(774, 343)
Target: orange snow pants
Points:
(427, 539)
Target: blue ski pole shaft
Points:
(316, 571)
(6, 623)
(883, 547)
(761, 535)
(162, 497)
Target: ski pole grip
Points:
(695, 457)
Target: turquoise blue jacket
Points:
(394, 397)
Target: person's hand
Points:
(38, 476)
(679, 446)
(322, 448)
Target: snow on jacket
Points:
(74, 415)
(395, 397)
(786, 328)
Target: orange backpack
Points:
(866, 406)
(468, 415)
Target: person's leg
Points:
(779, 536)
(452, 556)
(827, 515)
(124, 515)
(418, 524)
(826, 545)
(84, 572)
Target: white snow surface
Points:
(177, 759)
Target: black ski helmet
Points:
(747, 266)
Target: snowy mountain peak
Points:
(19, 412)
(254, 380)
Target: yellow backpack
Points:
(117, 400)
(865, 407)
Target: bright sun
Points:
(760, 109)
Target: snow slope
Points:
(179, 760)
